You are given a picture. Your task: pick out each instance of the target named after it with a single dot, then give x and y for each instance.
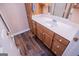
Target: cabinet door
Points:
(39, 31)
(47, 40)
(40, 34)
(48, 36)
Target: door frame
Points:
(5, 22)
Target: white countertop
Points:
(63, 26)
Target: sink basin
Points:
(52, 22)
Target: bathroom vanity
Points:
(56, 33)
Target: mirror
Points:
(65, 10)
(60, 9)
(57, 9)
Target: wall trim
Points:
(20, 32)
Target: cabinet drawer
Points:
(61, 39)
(49, 32)
(57, 47)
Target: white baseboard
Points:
(20, 32)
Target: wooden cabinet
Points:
(59, 45)
(53, 41)
(45, 35)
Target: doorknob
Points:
(8, 33)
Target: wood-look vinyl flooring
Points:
(30, 46)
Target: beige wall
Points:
(15, 16)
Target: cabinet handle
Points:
(60, 40)
(58, 46)
(55, 52)
(43, 33)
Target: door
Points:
(7, 45)
(3, 35)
